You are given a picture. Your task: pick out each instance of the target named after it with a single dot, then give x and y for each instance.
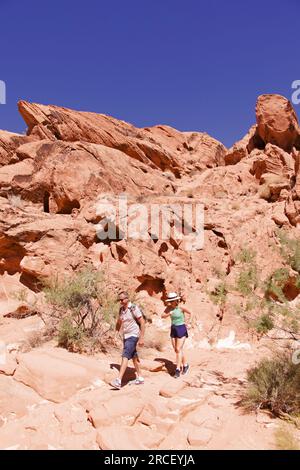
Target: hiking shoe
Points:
(185, 369)
(139, 381)
(116, 383)
(177, 373)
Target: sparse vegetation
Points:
(275, 283)
(263, 324)
(274, 384)
(21, 295)
(70, 336)
(264, 192)
(290, 249)
(246, 255)
(265, 305)
(218, 296)
(219, 272)
(247, 280)
(285, 439)
(83, 310)
(37, 338)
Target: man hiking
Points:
(133, 323)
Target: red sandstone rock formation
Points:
(50, 181)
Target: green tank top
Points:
(177, 316)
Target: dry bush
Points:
(82, 311)
(34, 340)
(285, 439)
(274, 384)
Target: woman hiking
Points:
(179, 331)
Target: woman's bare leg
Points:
(179, 347)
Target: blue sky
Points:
(194, 65)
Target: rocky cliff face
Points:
(51, 179)
(57, 182)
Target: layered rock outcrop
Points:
(61, 186)
(159, 147)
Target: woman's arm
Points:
(190, 314)
(165, 314)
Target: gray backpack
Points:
(131, 308)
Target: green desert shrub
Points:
(275, 283)
(290, 249)
(70, 336)
(218, 296)
(263, 324)
(72, 290)
(83, 310)
(247, 281)
(274, 384)
(246, 255)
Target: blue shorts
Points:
(129, 349)
(179, 331)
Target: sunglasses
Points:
(121, 300)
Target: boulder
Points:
(171, 388)
(15, 398)
(272, 160)
(64, 176)
(199, 437)
(243, 147)
(56, 374)
(277, 121)
(9, 143)
(50, 427)
(116, 410)
(128, 438)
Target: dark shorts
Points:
(178, 331)
(129, 349)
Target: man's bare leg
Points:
(123, 367)
(139, 378)
(136, 366)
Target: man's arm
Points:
(142, 324)
(118, 327)
(118, 324)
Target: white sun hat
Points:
(172, 296)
